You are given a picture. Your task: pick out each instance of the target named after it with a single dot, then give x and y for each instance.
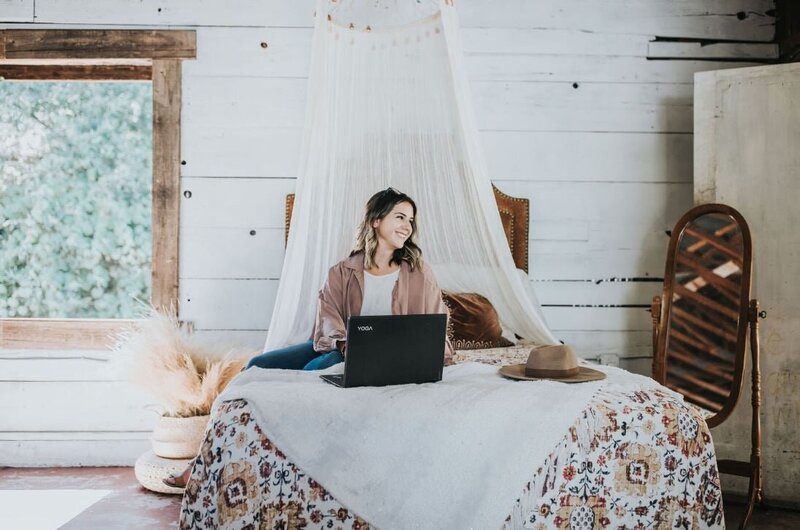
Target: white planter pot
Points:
(178, 437)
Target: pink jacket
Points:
(414, 293)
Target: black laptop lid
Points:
(394, 349)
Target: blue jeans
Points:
(297, 357)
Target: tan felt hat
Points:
(557, 362)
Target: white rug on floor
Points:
(44, 509)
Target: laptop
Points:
(392, 350)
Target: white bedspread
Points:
(454, 454)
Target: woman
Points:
(383, 275)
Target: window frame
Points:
(103, 55)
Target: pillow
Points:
(473, 322)
(497, 356)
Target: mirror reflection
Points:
(704, 321)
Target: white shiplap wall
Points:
(573, 115)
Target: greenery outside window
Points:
(89, 182)
(75, 198)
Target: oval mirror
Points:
(705, 309)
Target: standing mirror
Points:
(701, 323)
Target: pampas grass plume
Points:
(167, 361)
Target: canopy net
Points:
(388, 104)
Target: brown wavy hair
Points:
(379, 206)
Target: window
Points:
(89, 181)
(75, 198)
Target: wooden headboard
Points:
(514, 213)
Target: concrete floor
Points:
(763, 518)
(125, 504)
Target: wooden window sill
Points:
(61, 334)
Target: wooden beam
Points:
(690, 331)
(735, 254)
(683, 292)
(104, 61)
(705, 313)
(166, 183)
(706, 272)
(20, 72)
(690, 360)
(702, 384)
(675, 333)
(720, 336)
(688, 341)
(60, 334)
(695, 398)
(714, 329)
(94, 44)
(731, 51)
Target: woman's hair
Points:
(378, 207)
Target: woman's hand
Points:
(341, 345)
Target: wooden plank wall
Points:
(584, 107)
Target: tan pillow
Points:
(473, 322)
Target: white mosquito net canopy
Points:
(388, 104)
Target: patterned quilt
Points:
(631, 460)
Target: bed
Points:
(637, 458)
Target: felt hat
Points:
(557, 362)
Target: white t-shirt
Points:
(378, 293)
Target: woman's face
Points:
(394, 229)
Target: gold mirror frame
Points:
(661, 355)
(748, 319)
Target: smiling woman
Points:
(384, 275)
(390, 227)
